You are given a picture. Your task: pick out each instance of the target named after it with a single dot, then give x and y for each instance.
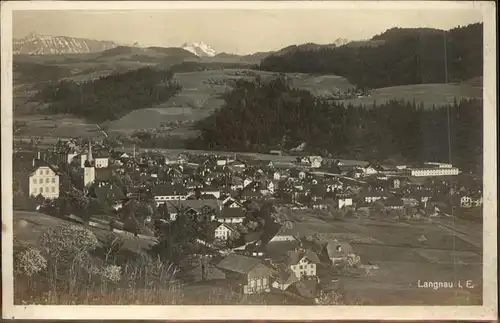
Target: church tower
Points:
(89, 169)
(90, 158)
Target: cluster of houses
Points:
(230, 185)
(307, 181)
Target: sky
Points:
(233, 31)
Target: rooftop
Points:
(238, 263)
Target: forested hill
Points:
(259, 116)
(396, 57)
(112, 96)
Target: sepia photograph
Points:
(242, 159)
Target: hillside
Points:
(35, 44)
(28, 227)
(262, 115)
(201, 95)
(152, 54)
(429, 95)
(310, 47)
(109, 97)
(397, 57)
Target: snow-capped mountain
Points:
(199, 49)
(35, 44)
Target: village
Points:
(247, 210)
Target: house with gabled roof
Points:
(231, 215)
(232, 202)
(370, 196)
(102, 158)
(250, 195)
(203, 270)
(195, 207)
(37, 177)
(167, 192)
(211, 190)
(224, 231)
(393, 202)
(302, 262)
(284, 279)
(248, 272)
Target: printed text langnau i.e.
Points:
(444, 284)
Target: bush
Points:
(30, 261)
(64, 271)
(68, 241)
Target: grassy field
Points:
(62, 126)
(29, 226)
(402, 260)
(428, 94)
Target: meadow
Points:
(402, 260)
(429, 94)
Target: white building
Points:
(433, 171)
(344, 202)
(224, 232)
(369, 170)
(211, 191)
(468, 201)
(303, 263)
(439, 165)
(231, 215)
(164, 193)
(315, 161)
(101, 161)
(44, 180)
(271, 187)
(221, 162)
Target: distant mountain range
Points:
(35, 44)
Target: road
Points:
(337, 175)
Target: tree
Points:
(162, 212)
(409, 211)
(378, 209)
(178, 238)
(361, 132)
(143, 211)
(132, 90)
(131, 224)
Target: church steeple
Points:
(90, 158)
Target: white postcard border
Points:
(487, 311)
